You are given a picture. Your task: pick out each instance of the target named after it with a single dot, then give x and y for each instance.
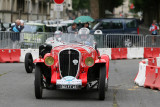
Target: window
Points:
(131, 23)
(20, 5)
(112, 24)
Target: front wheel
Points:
(29, 63)
(101, 85)
(38, 82)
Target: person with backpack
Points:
(154, 30)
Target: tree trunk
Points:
(105, 5)
(94, 5)
(158, 11)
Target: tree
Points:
(80, 4)
(103, 5)
(150, 7)
(108, 5)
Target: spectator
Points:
(16, 27)
(86, 25)
(154, 30)
(2, 27)
(73, 28)
(15, 37)
(21, 25)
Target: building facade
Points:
(123, 10)
(10, 10)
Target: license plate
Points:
(69, 86)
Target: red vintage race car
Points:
(73, 64)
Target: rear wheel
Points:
(101, 85)
(29, 63)
(38, 83)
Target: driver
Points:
(85, 37)
(57, 36)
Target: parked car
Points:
(33, 27)
(73, 65)
(53, 27)
(67, 22)
(116, 26)
(32, 35)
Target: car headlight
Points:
(49, 61)
(89, 61)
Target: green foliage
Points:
(80, 4)
(141, 5)
(85, 4)
(116, 3)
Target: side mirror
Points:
(98, 32)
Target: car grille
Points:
(69, 62)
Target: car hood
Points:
(81, 48)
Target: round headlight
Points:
(49, 61)
(89, 61)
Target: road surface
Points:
(17, 89)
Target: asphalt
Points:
(17, 89)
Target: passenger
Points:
(73, 29)
(86, 25)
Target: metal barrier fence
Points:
(11, 40)
(119, 40)
(152, 41)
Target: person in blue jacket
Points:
(17, 28)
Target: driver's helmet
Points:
(84, 33)
(57, 35)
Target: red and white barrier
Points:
(12, 55)
(140, 78)
(151, 52)
(149, 73)
(135, 53)
(158, 61)
(34, 52)
(105, 51)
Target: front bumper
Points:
(69, 82)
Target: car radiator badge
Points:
(75, 61)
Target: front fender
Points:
(38, 60)
(104, 59)
(100, 61)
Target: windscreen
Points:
(64, 39)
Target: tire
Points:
(38, 83)
(127, 42)
(29, 63)
(106, 85)
(101, 85)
